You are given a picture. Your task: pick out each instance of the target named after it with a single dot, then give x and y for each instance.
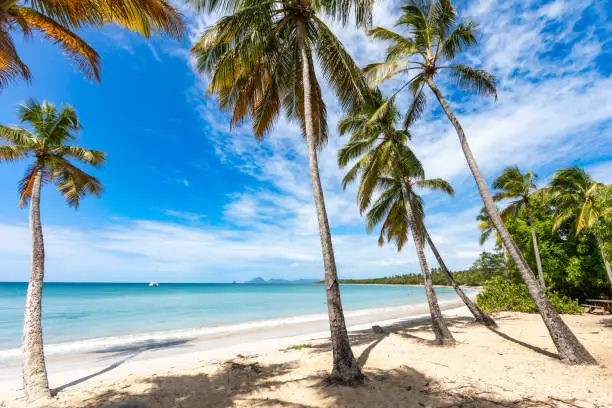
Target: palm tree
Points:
(516, 186)
(56, 21)
(371, 133)
(47, 144)
(434, 41)
(260, 59)
(389, 165)
(574, 194)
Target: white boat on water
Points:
(153, 283)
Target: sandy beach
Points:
(515, 365)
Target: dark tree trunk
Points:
(569, 347)
(478, 314)
(438, 324)
(345, 368)
(536, 249)
(35, 382)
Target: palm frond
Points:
(436, 184)
(475, 80)
(383, 71)
(95, 158)
(341, 71)
(73, 182)
(18, 136)
(462, 37)
(12, 153)
(11, 65)
(85, 57)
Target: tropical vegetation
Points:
(434, 42)
(49, 144)
(58, 20)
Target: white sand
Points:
(513, 367)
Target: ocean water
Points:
(81, 311)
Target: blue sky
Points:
(188, 200)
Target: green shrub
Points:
(500, 295)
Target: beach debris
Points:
(378, 329)
(246, 368)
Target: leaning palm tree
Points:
(48, 144)
(260, 59)
(433, 43)
(57, 21)
(389, 165)
(574, 196)
(518, 187)
(366, 135)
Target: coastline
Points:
(149, 352)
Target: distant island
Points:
(262, 281)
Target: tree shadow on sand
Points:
(124, 354)
(227, 387)
(408, 388)
(239, 384)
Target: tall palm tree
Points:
(366, 135)
(387, 164)
(260, 59)
(574, 195)
(57, 20)
(434, 41)
(516, 186)
(48, 143)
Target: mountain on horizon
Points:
(260, 280)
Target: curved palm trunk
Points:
(605, 259)
(438, 324)
(536, 249)
(345, 369)
(569, 347)
(478, 314)
(35, 383)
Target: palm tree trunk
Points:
(345, 368)
(534, 240)
(605, 259)
(438, 324)
(569, 347)
(479, 315)
(35, 382)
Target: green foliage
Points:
(299, 346)
(501, 294)
(572, 265)
(486, 267)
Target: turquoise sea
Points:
(80, 311)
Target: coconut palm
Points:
(431, 47)
(260, 58)
(574, 196)
(57, 20)
(366, 136)
(518, 187)
(48, 143)
(386, 163)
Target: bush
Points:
(500, 295)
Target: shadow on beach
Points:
(244, 382)
(253, 385)
(124, 354)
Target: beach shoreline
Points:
(148, 352)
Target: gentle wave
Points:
(98, 344)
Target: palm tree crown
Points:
(47, 143)
(516, 186)
(56, 21)
(434, 41)
(252, 57)
(573, 193)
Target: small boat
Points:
(153, 283)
